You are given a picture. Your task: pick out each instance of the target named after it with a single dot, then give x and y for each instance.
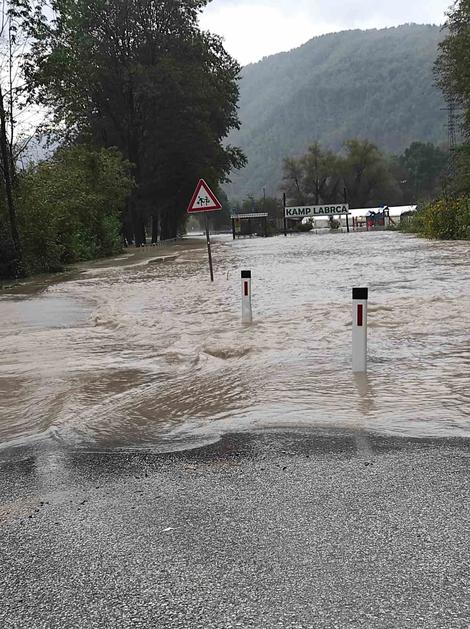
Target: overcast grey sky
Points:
(255, 28)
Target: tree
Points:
(8, 91)
(367, 175)
(453, 76)
(314, 178)
(141, 76)
(293, 180)
(461, 183)
(454, 59)
(321, 175)
(424, 169)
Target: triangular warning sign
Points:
(204, 200)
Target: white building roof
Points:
(252, 215)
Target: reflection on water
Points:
(154, 355)
(365, 393)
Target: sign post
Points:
(346, 203)
(284, 201)
(204, 200)
(359, 330)
(209, 250)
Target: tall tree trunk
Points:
(164, 226)
(155, 228)
(139, 229)
(8, 171)
(174, 225)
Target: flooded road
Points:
(153, 355)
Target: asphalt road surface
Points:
(273, 530)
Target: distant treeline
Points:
(364, 176)
(360, 174)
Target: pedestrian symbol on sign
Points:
(204, 200)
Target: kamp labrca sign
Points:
(317, 211)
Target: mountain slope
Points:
(375, 84)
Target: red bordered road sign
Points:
(204, 200)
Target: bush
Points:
(304, 227)
(70, 205)
(444, 219)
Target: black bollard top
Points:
(246, 275)
(360, 293)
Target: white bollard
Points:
(247, 314)
(359, 330)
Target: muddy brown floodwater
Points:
(134, 353)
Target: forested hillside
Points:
(375, 84)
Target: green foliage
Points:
(316, 176)
(461, 182)
(70, 206)
(7, 248)
(367, 175)
(361, 171)
(423, 172)
(304, 227)
(444, 219)
(141, 75)
(452, 68)
(376, 84)
(454, 58)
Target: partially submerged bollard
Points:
(359, 330)
(247, 314)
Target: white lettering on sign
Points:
(317, 211)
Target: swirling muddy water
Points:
(154, 355)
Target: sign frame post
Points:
(284, 203)
(209, 250)
(346, 202)
(204, 200)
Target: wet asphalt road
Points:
(277, 530)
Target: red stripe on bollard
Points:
(360, 315)
(246, 288)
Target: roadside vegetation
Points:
(137, 102)
(447, 217)
(443, 219)
(69, 209)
